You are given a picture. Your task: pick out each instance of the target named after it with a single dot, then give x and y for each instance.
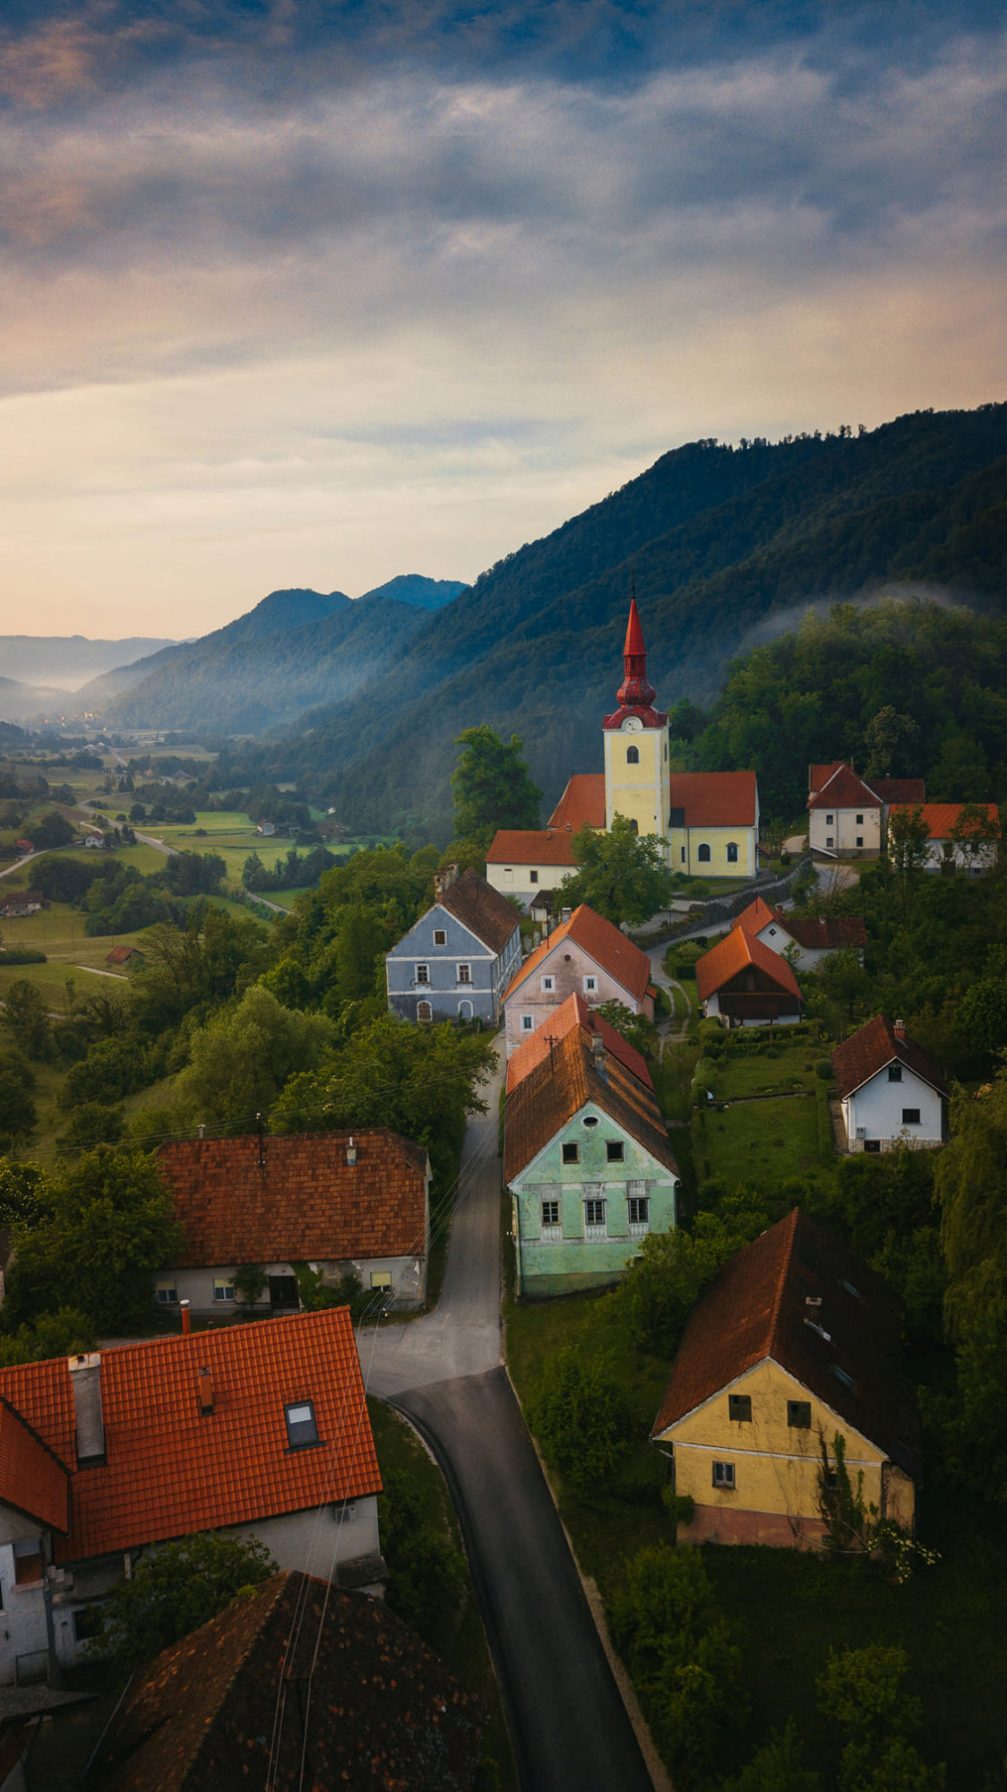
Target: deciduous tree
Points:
(620, 873)
(491, 786)
(175, 1589)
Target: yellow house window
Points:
(799, 1415)
(739, 1408)
(723, 1474)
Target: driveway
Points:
(569, 1725)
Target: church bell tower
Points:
(636, 744)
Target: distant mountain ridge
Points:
(295, 649)
(67, 660)
(719, 541)
(21, 702)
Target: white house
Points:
(847, 813)
(942, 820)
(804, 941)
(585, 955)
(104, 1456)
(891, 1090)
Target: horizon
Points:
(300, 298)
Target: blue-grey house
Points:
(458, 959)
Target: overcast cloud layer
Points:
(300, 294)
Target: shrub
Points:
(581, 1419)
(824, 1069)
(21, 955)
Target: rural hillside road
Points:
(569, 1725)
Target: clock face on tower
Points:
(632, 724)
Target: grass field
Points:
(759, 1142)
(784, 1066)
(457, 1633)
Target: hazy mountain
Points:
(720, 541)
(413, 588)
(26, 702)
(67, 660)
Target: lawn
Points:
(782, 1067)
(790, 1610)
(457, 1633)
(759, 1142)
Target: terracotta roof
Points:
(844, 790)
(757, 1309)
(305, 1202)
(170, 1470)
(603, 942)
(560, 1085)
(900, 790)
(733, 954)
(942, 817)
(757, 915)
(826, 933)
(715, 799)
(582, 803)
(32, 1478)
(482, 910)
(122, 954)
(574, 1012)
(873, 1047)
(384, 1711)
(820, 774)
(532, 846)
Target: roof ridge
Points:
(29, 1427)
(776, 1311)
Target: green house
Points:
(586, 1158)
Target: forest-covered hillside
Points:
(722, 543)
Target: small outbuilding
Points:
(746, 984)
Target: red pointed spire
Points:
(635, 692)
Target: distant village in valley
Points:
(562, 1244)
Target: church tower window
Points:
(632, 755)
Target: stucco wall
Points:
(684, 845)
(24, 1632)
(776, 1466)
(844, 830)
(516, 880)
(551, 1262)
(570, 968)
(878, 1105)
(639, 792)
(450, 998)
(409, 1280)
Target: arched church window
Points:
(632, 755)
(634, 826)
(703, 855)
(732, 853)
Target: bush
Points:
(176, 1588)
(21, 955)
(824, 1069)
(581, 1419)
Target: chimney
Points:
(85, 1380)
(201, 1130)
(598, 1053)
(351, 1151)
(186, 1316)
(565, 914)
(444, 878)
(900, 1029)
(813, 1302)
(204, 1392)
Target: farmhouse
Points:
(796, 1342)
(254, 1429)
(458, 958)
(342, 1203)
(847, 813)
(891, 1090)
(584, 955)
(965, 835)
(806, 942)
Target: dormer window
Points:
(302, 1426)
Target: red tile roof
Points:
(900, 790)
(820, 774)
(531, 846)
(122, 954)
(304, 1203)
(556, 1089)
(603, 942)
(482, 910)
(757, 1309)
(942, 817)
(844, 790)
(582, 803)
(756, 916)
(169, 1470)
(875, 1046)
(384, 1711)
(822, 933)
(574, 1012)
(32, 1478)
(715, 799)
(735, 953)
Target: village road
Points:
(570, 1728)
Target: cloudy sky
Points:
(312, 292)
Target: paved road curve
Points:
(571, 1732)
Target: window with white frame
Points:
(424, 1011)
(223, 1290)
(464, 973)
(166, 1291)
(533, 877)
(548, 983)
(551, 1224)
(423, 973)
(594, 1216)
(440, 936)
(639, 1214)
(590, 985)
(527, 1023)
(723, 1474)
(732, 853)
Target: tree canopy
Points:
(620, 873)
(491, 786)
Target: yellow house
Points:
(795, 1343)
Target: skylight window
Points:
(841, 1375)
(302, 1426)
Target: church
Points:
(708, 821)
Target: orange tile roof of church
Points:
(582, 803)
(532, 846)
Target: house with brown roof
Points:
(585, 955)
(969, 845)
(20, 903)
(847, 814)
(804, 941)
(343, 1203)
(586, 1159)
(574, 1012)
(457, 959)
(795, 1343)
(384, 1711)
(260, 1429)
(746, 984)
(128, 955)
(891, 1090)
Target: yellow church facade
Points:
(708, 822)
